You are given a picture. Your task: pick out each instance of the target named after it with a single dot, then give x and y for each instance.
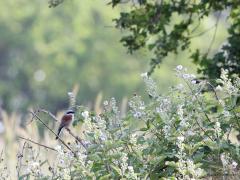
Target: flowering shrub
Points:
(185, 134)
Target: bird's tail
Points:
(59, 131)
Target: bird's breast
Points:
(67, 118)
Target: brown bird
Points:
(65, 121)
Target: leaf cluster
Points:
(151, 24)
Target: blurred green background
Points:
(45, 52)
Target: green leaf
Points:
(171, 164)
(27, 176)
(105, 177)
(116, 169)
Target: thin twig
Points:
(47, 147)
(215, 93)
(196, 27)
(203, 32)
(48, 113)
(203, 130)
(19, 162)
(77, 138)
(215, 32)
(44, 111)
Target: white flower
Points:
(166, 130)
(186, 76)
(131, 174)
(180, 112)
(28, 170)
(190, 133)
(217, 128)
(34, 165)
(70, 93)
(218, 88)
(103, 137)
(180, 86)
(150, 85)
(66, 174)
(234, 164)
(124, 163)
(144, 75)
(138, 114)
(137, 107)
(179, 67)
(105, 103)
(180, 138)
(85, 114)
(193, 81)
(59, 149)
(184, 123)
(199, 172)
(133, 139)
(130, 168)
(226, 113)
(158, 110)
(227, 83)
(124, 157)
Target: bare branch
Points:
(215, 93)
(215, 32)
(19, 162)
(44, 111)
(77, 138)
(48, 113)
(29, 140)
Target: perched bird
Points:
(65, 121)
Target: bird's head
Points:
(70, 111)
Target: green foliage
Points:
(228, 57)
(184, 134)
(54, 3)
(150, 24)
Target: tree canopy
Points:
(151, 24)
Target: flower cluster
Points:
(138, 109)
(184, 135)
(151, 85)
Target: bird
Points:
(66, 120)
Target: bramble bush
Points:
(185, 134)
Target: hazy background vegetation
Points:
(46, 52)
